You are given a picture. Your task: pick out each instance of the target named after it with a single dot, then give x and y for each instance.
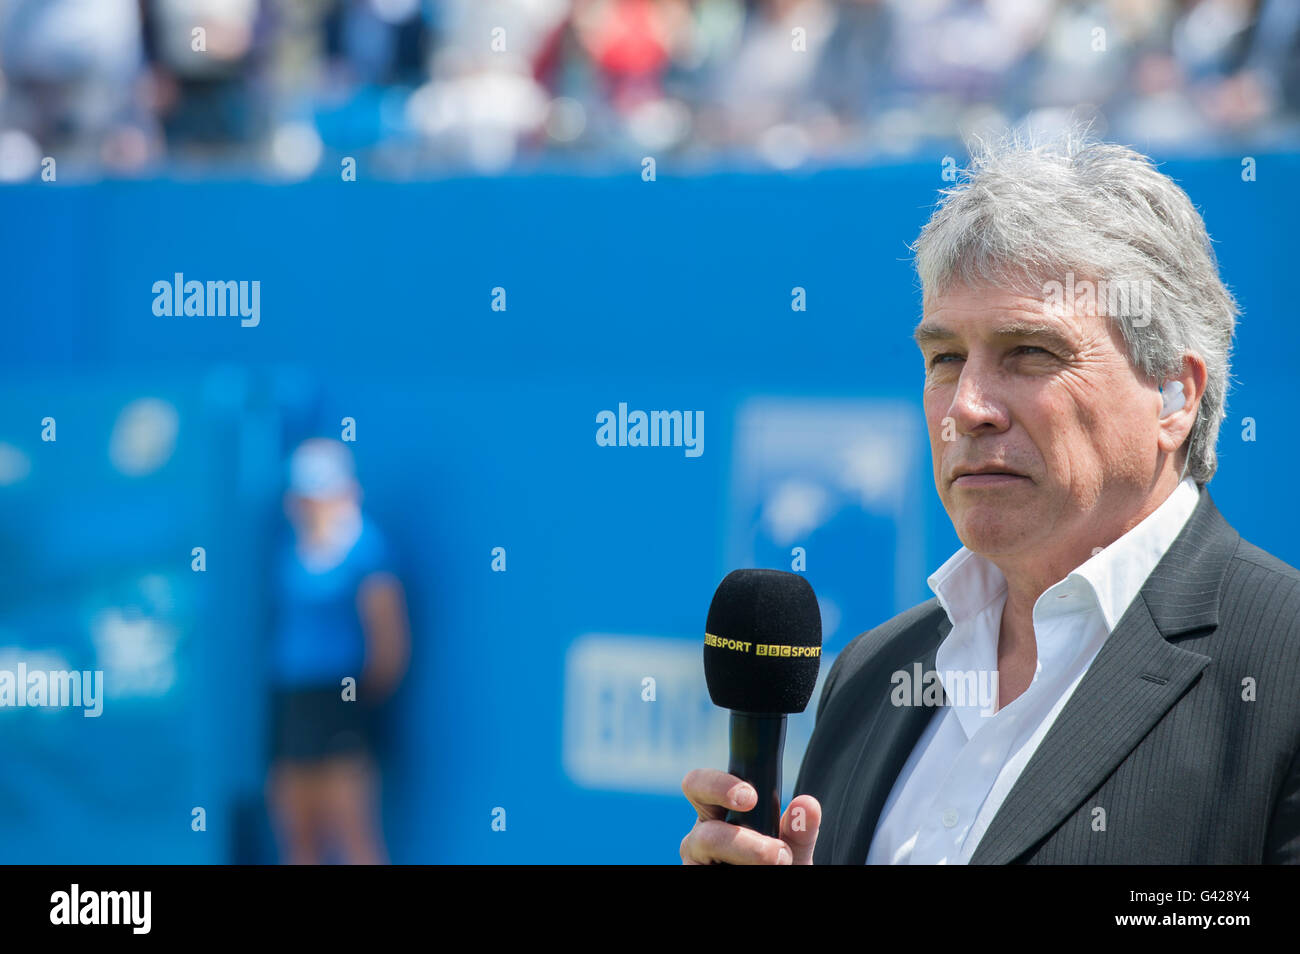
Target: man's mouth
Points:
(986, 478)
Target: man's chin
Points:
(991, 530)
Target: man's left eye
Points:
(1033, 348)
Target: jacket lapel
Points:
(892, 734)
(1133, 681)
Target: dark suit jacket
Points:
(1157, 733)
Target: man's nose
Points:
(976, 401)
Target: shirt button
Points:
(950, 818)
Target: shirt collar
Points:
(1116, 573)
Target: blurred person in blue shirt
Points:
(340, 646)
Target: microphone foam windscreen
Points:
(763, 642)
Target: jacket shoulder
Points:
(1260, 606)
(892, 637)
(1265, 590)
(1247, 552)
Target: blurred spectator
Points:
(69, 74)
(341, 619)
(770, 75)
(202, 52)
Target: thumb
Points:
(799, 824)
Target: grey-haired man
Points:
(1076, 339)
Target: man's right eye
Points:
(938, 358)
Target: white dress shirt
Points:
(970, 755)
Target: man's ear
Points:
(1177, 425)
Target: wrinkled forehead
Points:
(994, 311)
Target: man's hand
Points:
(712, 840)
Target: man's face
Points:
(1049, 399)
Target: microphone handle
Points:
(757, 743)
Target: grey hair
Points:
(1023, 214)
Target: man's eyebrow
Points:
(924, 334)
(927, 333)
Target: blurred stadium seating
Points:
(424, 87)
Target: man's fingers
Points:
(799, 824)
(712, 841)
(712, 793)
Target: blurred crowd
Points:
(406, 87)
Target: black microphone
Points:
(762, 650)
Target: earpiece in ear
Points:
(1172, 398)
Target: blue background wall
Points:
(475, 429)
